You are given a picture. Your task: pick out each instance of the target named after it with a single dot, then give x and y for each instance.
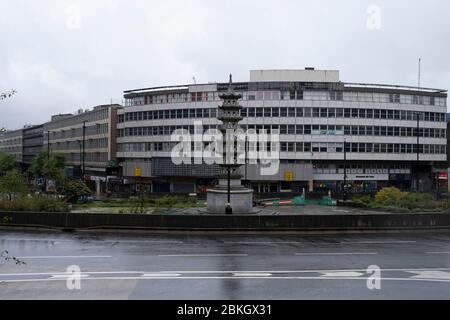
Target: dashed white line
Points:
(250, 275)
(65, 257)
(335, 253)
(263, 243)
(437, 252)
(377, 242)
(201, 255)
(163, 275)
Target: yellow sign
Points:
(138, 172)
(288, 176)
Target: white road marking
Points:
(222, 272)
(67, 276)
(158, 275)
(430, 274)
(377, 242)
(38, 240)
(201, 255)
(349, 274)
(145, 241)
(224, 278)
(263, 243)
(65, 257)
(96, 240)
(249, 275)
(334, 253)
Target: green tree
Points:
(13, 183)
(50, 168)
(7, 163)
(74, 189)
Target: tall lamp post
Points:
(84, 150)
(345, 171)
(417, 114)
(229, 209)
(48, 158)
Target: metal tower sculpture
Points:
(229, 196)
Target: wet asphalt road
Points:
(219, 266)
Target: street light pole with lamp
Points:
(417, 115)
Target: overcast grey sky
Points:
(65, 55)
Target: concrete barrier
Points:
(78, 221)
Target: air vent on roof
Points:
(310, 68)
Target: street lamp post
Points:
(229, 209)
(84, 150)
(345, 171)
(417, 114)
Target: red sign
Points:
(443, 176)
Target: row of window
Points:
(304, 147)
(74, 145)
(331, 130)
(9, 149)
(11, 142)
(78, 132)
(362, 148)
(287, 112)
(343, 113)
(74, 120)
(101, 157)
(274, 95)
(168, 114)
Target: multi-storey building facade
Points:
(33, 140)
(87, 140)
(327, 128)
(23, 144)
(11, 142)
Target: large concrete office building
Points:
(33, 141)
(325, 125)
(11, 142)
(23, 144)
(95, 132)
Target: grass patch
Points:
(141, 205)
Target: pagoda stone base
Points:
(241, 201)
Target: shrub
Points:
(74, 190)
(417, 201)
(34, 204)
(363, 201)
(389, 197)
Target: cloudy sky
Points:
(65, 55)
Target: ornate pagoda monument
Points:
(229, 196)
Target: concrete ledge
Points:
(84, 221)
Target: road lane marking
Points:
(224, 278)
(263, 243)
(377, 242)
(96, 240)
(144, 241)
(68, 276)
(65, 257)
(163, 275)
(344, 274)
(335, 253)
(222, 272)
(201, 255)
(431, 274)
(250, 275)
(39, 240)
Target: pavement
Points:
(310, 210)
(196, 266)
